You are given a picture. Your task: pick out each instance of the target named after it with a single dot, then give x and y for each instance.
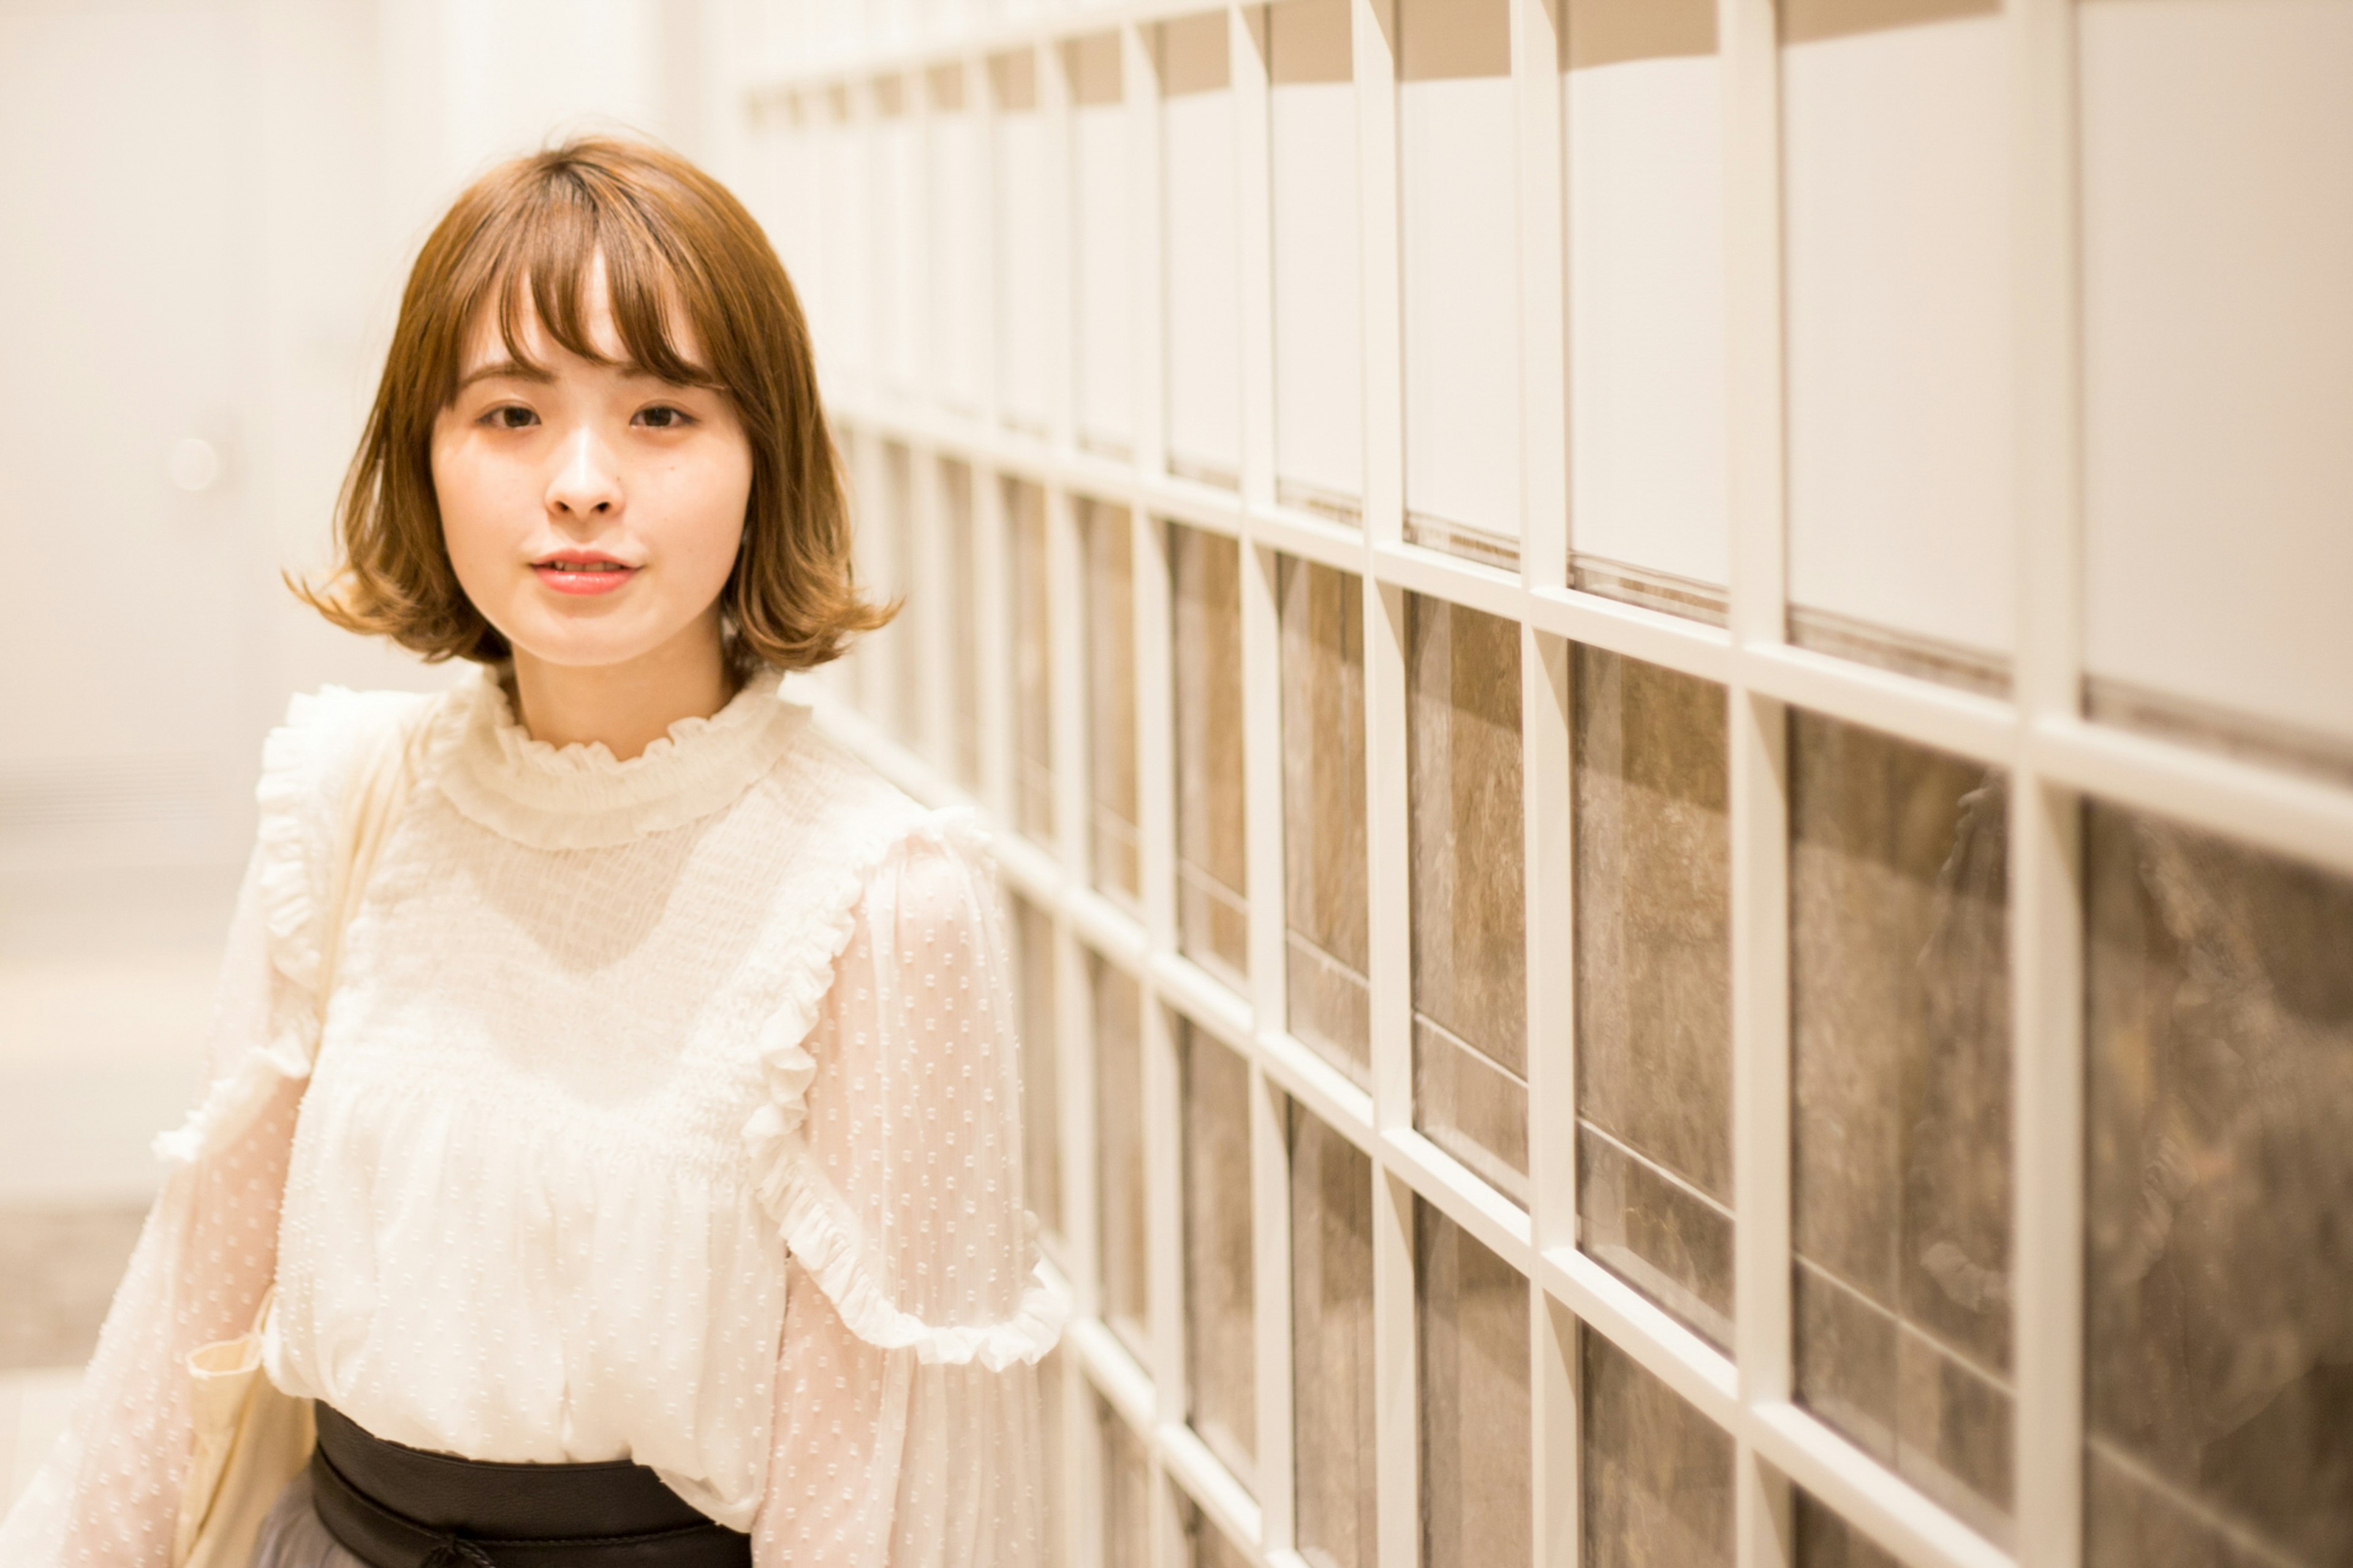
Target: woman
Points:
(654, 1109)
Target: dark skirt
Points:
(364, 1502)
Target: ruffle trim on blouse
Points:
(810, 1216)
(581, 796)
(297, 796)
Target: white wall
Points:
(213, 205)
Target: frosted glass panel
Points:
(1469, 953)
(2219, 1044)
(1119, 1165)
(1212, 861)
(1658, 1474)
(1645, 160)
(1897, 199)
(959, 236)
(1319, 414)
(1106, 548)
(1220, 1277)
(961, 609)
(1026, 273)
(1458, 208)
(1041, 1163)
(1899, 990)
(1326, 945)
(1332, 1344)
(1204, 271)
(1474, 1344)
(1033, 711)
(2218, 356)
(1102, 177)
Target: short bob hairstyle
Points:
(523, 239)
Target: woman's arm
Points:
(110, 1492)
(906, 1421)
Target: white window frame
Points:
(2055, 758)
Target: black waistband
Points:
(396, 1507)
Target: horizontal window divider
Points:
(1864, 1491)
(1322, 1088)
(1672, 642)
(1114, 1372)
(1307, 537)
(1500, 1224)
(1194, 504)
(1917, 711)
(1207, 1002)
(1108, 929)
(1436, 576)
(1645, 1331)
(1201, 1476)
(1035, 875)
(2304, 818)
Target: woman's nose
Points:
(586, 482)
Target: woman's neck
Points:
(628, 706)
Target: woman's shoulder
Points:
(311, 753)
(877, 826)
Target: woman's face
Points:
(592, 512)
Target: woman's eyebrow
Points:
(504, 367)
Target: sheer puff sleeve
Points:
(109, 1492)
(906, 1421)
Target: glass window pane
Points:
(1033, 711)
(1655, 983)
(1041, 1162)
(1470, 955)
(1212, 867)
(1826, 1541)
(1119, 1156)
(1332, 1344)
(1319, 398)
(1220, 1274)
(964, 631)
(1106, 542)
(1476, 1508)
(1658, 1474)
(1899, 989)
(1322, 612)
(1127, 1492)
(2218, 1324)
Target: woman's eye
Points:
(511, 416)
(663, 417)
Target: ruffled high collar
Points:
(582, 796)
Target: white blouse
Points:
(664, 1109)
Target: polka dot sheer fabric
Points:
(664, 1109)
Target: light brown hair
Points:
(523, 237)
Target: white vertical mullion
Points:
(1270, 1166)
(1148, 252)
(1544, 714)
(1395, 1377)
(929, 586)
(1750, 43)
(1396, 1399)
(2046, 925)
(1066, 608)
(1372, 31)
(1270, 1244)
(1543, 293)
(1251, 90)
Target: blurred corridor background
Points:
(1665, 687)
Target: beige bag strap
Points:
(371, 806)
(249, 1440)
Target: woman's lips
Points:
(598, 579)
